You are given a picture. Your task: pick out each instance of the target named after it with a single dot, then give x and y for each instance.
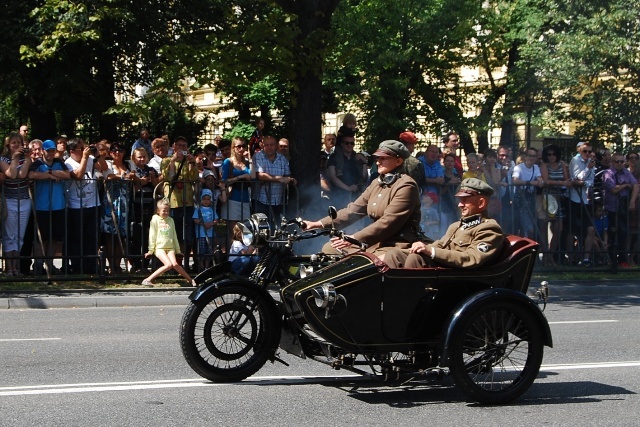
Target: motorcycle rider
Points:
(468, 243)
(392, 202)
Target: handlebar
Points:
(346, 238)
(314, 233)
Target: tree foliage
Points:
(397, 63)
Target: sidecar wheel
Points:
(228, 336)
(497, 352)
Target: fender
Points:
(483, 297)
(203, 290)
(215, 273)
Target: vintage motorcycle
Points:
(355, 313)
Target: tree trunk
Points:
(314, 22)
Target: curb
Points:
(93, 299)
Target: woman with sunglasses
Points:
(14, 164)
(236, 172)
(555, 174)
(391, 202)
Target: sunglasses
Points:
(619, 162)
(551, 154)
(239, 146)
(587, 151)
(117, 150)
(633, 157)
(349, 142)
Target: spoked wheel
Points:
(230, 334)
(497, 352)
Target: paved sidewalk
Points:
(179, 296)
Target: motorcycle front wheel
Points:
(230, 334)
(497, 352)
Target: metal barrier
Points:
(109, 241)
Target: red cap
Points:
(408, 137)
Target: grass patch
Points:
(63, 284)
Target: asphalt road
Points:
(123, 366)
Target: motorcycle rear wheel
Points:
(230, 334)
(497, 352)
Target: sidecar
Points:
(477, 324)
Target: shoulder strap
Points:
(174, 180)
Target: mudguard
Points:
(490, 295)
(213, 273)
(203, 290)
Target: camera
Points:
(93, 150)
(185, 153)
(505, 168)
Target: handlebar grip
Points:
(350, 239)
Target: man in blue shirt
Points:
(143, 142)
(50, 174)
(433, 170)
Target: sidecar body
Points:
(361, 305)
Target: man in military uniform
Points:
(392, 202)
(469, 243)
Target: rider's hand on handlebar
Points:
(310, 225)
(338, 243)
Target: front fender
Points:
(213, 273)
(210, 286)
(480, 298)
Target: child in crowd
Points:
(430, 221)
(163, 243)
(601, 224)
(241, 256)
(206, 219)
(474, 167)
(350, 121)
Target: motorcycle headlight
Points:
(255, 230)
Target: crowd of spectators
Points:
(81, 203)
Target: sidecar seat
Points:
(511, 269)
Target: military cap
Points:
(392, 148)
(474, 187)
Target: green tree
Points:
(589, 56)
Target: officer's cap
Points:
(474, 187)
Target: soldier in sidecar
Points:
(470, 243)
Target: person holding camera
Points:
(14, 164)
(180, 173)
(83, 204)
(582, 172)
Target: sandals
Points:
(146, 282)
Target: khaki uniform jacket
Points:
(473, 241)
(394, 209)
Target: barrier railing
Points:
(109, 241)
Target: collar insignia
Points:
(471, 221)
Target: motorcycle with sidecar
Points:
(355, 313)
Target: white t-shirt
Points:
(236, 249)
(523, 173)
(82, 193)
